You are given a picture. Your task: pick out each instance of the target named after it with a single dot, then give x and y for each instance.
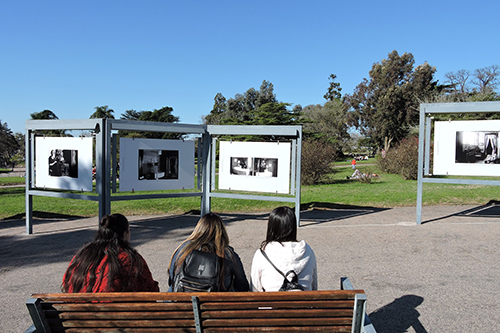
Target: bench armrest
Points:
(31, 329)
(345, 284)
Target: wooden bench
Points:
(310, 311)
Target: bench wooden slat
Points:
(204, 297)
(277, 305)
(329, 329)
(272, 322)
(133, 330)
(118, 297)
(279, 296)
(145, 315)
(120, 306)
(123, 323)
(301, 313)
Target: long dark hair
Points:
(209, 235)
(109, 240)
(281, 226)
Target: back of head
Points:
(210, 230)
(112, 228)
(281, 226)
(81, 275)
(209, 235)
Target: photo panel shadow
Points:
(314, 213)
(488, 210)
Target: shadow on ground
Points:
(62, 235)
(491, 210)
(20, 219)
(313, 213)
(399, 316)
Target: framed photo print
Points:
(255, 166)
(156, 164)
(63, 163)
(467, 148)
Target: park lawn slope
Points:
(385, 191)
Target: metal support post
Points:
(297, 175)
(29, 146)
(103, 167)
(206, 176)
(114, 147)
(421, 135)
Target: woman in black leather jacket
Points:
(210, 235)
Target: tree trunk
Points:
(387, 143)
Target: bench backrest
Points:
(312, 311)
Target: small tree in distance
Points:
(317, 159)
(403, 159)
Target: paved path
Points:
(17, 172)
(441, 276)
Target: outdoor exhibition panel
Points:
(461, 147)
(62, 167)
(74, 173)
(268, 167)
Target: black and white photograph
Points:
(158, 164)
(63, 162)
(263, 167)
(240, 166)
(254, 166)
(466, 148)
(477, 147)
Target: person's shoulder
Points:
(308, 249)
(258, 253)
(182, 245)
(303, 244)
(125, 255)
(231, 253)
(306, 245)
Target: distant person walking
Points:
(353, 163)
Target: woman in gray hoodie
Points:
(285, 252)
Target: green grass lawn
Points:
(385, 191)
(5, 181)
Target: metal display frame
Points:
(294, 133)
(106, 152)
(427, 110)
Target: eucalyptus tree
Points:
(253, 107)
(217, 112)
(328, 123)
(386, 106)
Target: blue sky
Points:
(71, 56)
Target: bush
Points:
(317, 159)
(403, 159)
